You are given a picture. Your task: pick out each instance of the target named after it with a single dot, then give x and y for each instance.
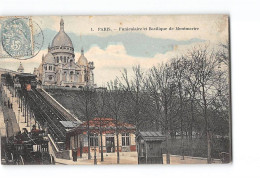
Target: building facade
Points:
(59, 68)
(102, 135)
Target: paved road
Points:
(129, 160)
(108, 160)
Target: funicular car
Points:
(29, 148)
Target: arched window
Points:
(64, 76)
(61, 59)
(71, 75)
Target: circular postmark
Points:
(21, 38)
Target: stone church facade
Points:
(59, 68)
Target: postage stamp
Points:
(21, 38)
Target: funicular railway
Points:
(47, 113)
(48, 117)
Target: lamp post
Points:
(7, 134)
(168, 130)
(22, 106)
(30, 112)
(19, 100)
(26, 110)
(88, 95)
(95, 152)
(18, 116)
(80, 146)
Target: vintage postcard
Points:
(99, 90)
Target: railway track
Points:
(59, 110)
(57, 107)
(45, 113)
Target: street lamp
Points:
(18, 116)
(95, 152)
(168, 136)
(88, 95)
(7, 134)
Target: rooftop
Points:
(108, 125)
(151, 136)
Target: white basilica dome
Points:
(82, 61)
(62, 39)
(49, 58)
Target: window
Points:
(93, 140)
(50, 77)
(85, 140)
(142, 150)
(125, 139)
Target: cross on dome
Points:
(61, 25)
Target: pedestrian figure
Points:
(74, 155)
(11, 105)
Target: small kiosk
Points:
(149, 147)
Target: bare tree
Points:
(191, 90)
(205, 65)
(115, 103)
(89, 98)
(100, 108)
(223, 52)
(178, 68)
(161, 91)
(135, 89)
